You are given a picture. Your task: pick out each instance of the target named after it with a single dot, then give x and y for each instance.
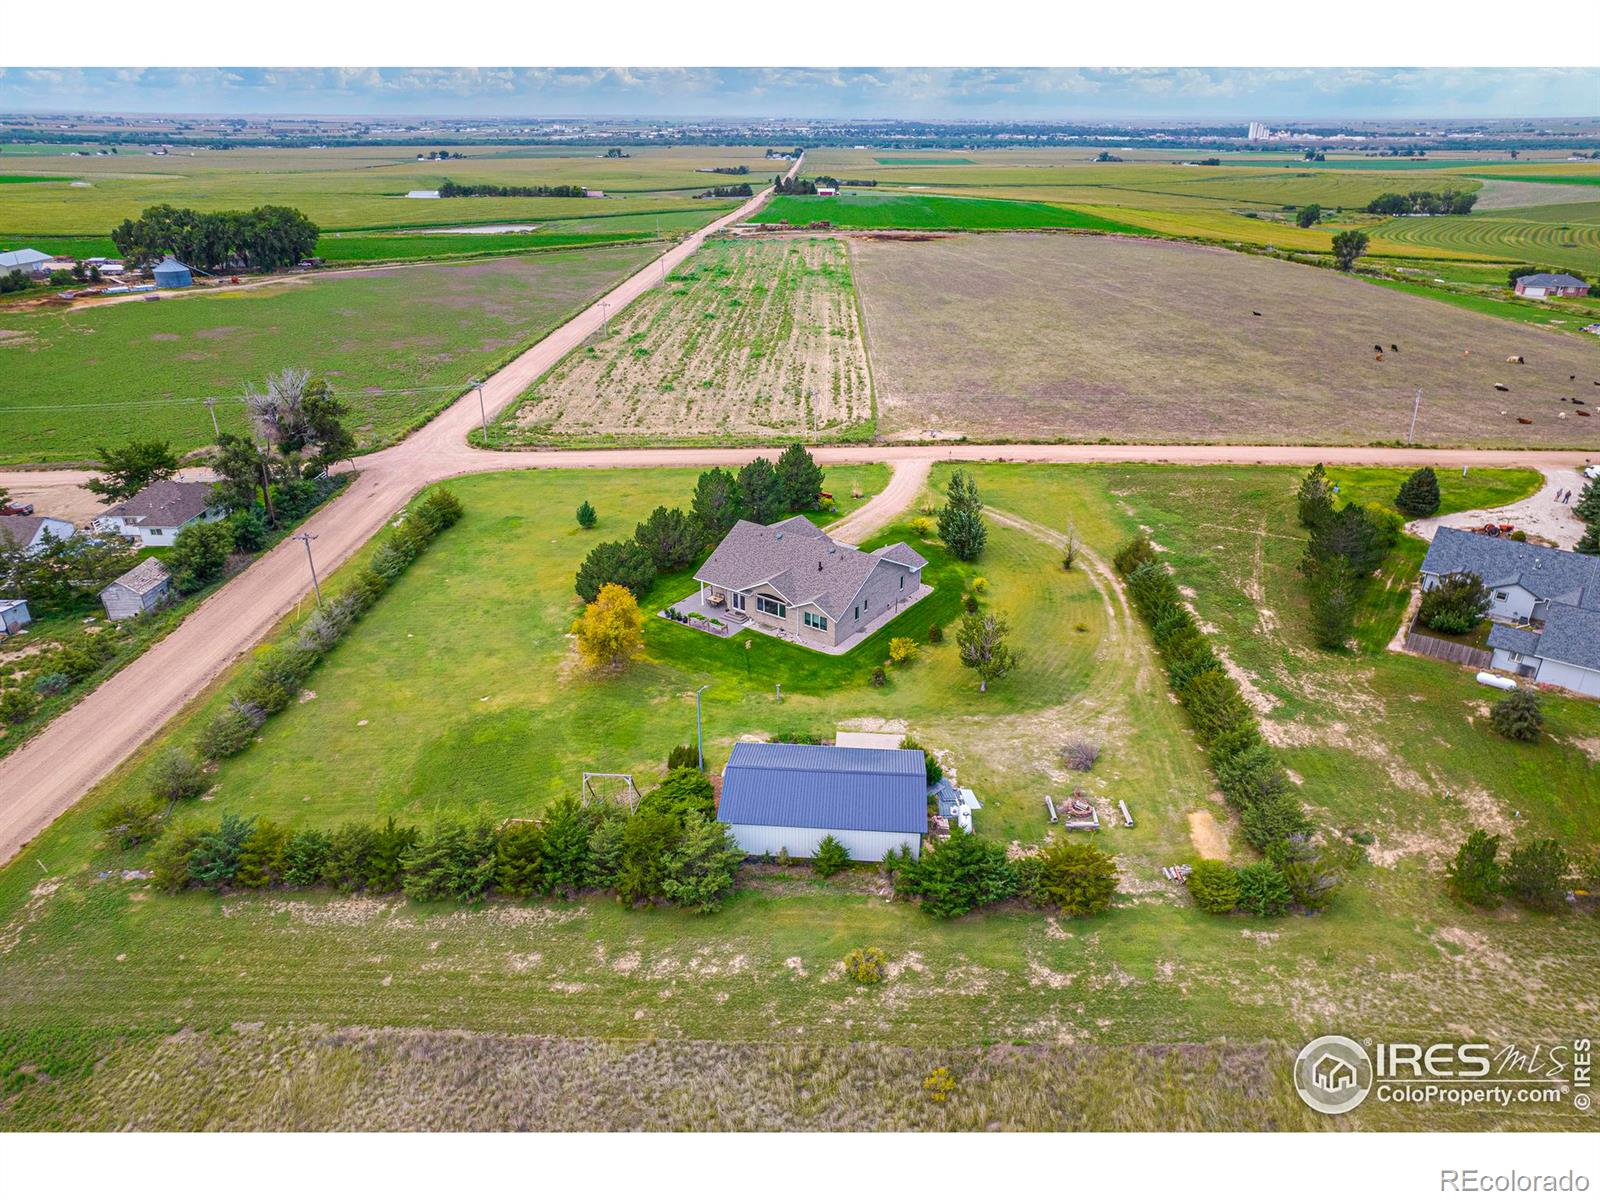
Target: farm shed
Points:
(777, 796)
(24, 262)
(170, 273)
(136, 591)
(1545, 284)
(14, 616)
(27, 533)
(157, 514)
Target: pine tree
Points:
(1419, 494)
(1475, 873)
(1589, 543)
(716, 503)
(519, 860)
(801, 479)
(566, 826)
(1315, 502)
(1587, 509)
(587, 517)
(961, 526)
(760, 492)
(1518, 716)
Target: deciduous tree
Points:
(609, 630)
(982, 641)
(131, 468)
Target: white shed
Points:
(14, 616)
(137, 591)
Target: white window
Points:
(816, 620)
(771, 607)
(738, 601)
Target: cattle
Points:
(1379, 349)
(1254, 313)
(1500, 387)
(1514, 358)
(1394, 348)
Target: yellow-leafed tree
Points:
(609, 629)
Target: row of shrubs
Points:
(275, 679)
(1540, 874)
(669, 849)
(966, 871)
(1247, 769)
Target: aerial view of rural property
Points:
(855, 601)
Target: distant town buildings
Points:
(1259, 131)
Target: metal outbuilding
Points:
(777, 796)
(170, 273)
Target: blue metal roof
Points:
(825, 787)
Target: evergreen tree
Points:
(1587, 509)
(456, 861)
(566, 826)
(1456, 605)
(625, 563)
(389, 847)
(715, 508)
(670, 537)
(1538, 874)
(605, 846)
(519, 860)
(264, 855)
(1518, 716)
(1474, 874)
(1333, 603)
(1314, 499)
(1419, 494)
(214, 861)
(587, 517)
(699, 870)
(959, 874)
(1076, 877)
(961, 526)
(800, 477)
(831, 857)
(1589, 543)
(760, 492)
(1263, 891)
(650, 840)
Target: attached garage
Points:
(777, 796)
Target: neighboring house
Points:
(158, 513)
(1545, 284)
(825, 190)
(170, 273)
(14, 616)
(777, 796)
(28, 533)
(794, 578)
(137, 591)
(1545, 603)
(24, 262)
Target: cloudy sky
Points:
(998, 94)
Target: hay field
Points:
(1049, 337)
(397, 344)
(749, 339)
(1562, 236)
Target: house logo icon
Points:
(1333, 1074)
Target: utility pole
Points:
(605, 318)
(211, 405)
(1416, 406)
(308, 538)
(266, 485)
(699, 736)
(482, 411)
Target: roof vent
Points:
(778, 537)
(819, 564)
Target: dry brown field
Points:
(748, 339)
(1066, 337)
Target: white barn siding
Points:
(864, 845)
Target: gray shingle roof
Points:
(825, 787)
(144, 578)
(1513, 639)
(1545, 279)
(799, 562)
(1571, 635)
(165, 502)
(1549, 574)
(19, 529)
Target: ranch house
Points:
(1544, 284)
(777, 796)
(157, 514)
(792, 580)
(1545, 604)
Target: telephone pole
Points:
(482, 411)
(211, 406)
(308, 538)
(605, 318)
(1416, 406)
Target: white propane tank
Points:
(1497, 681)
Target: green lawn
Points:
(901, 210)
(459, 693)
(93, 376)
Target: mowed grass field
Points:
(1049, 337)
(900, 210)
(358, 188)
(750, 339)
(1565, 236)
(463, 678)
(397, 344)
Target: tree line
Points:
(450, 190)
(1433, 204)
(267, 238)
(732, 189)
